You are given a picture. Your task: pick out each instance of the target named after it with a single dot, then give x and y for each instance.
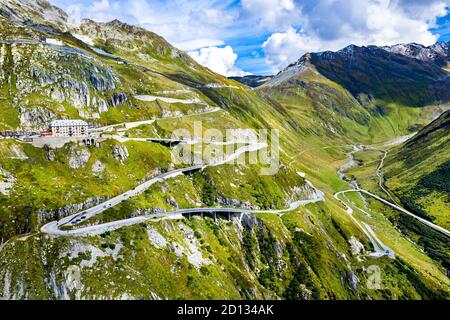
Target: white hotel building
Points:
(69, 128)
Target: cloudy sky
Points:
(236, 37)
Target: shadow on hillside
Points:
(386, 76)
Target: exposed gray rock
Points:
(101, 83)
(233, 203)
(154, 297)
(45, 216)
(7, 181)
(36, 118)
(98, 167)
(100, 104)
(352, 280)
(79, 157)
(356, 246)
(156, 238)
(118, 99)
(63, 74)
(172, 203)
(76, 93)
(250, 221)
(49, 153)
(120, 152)
(146, 212)
(40, 12)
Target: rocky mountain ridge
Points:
(438, 54)
(34, 12)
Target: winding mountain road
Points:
(134, 124)
(380, 248)
(426, 222)
(54, 228)
(367, 230)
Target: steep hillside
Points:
(366, 93)
(38, 13)
(418, 171)
(409, 75)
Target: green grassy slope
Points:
(385, 76)
(418, 171)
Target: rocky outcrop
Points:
(101, 104)
(36, 118)
(64, 75)
(101, 83)
(79, 157)
(118, 99)
(120, 152)
(352, 280)
(356, 246)
(233, 203)
(49, 153)
(250, 221)
(45, 216)
(40, 12)
(7, 181)
(98, 167)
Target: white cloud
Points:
(103, 10)
(286, 47)
(426, 10)
(190, 45)
(212, 16)
(189, 25)
(331, 25)
(271, 14)
(220, 60)
(290, 27)
(388, 24)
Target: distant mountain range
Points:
(406, 73)
(253, 81)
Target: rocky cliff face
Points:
(32, 12)
(63, 77)
(116, 35)
(46, 216)
(120, 152)
(437, 53)
(79, 156)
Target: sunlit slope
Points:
(418, 171)
(339, 94)
(40, 82)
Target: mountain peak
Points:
(34, 12)
(353, 67)
(438, 51)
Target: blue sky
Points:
(236, 37)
